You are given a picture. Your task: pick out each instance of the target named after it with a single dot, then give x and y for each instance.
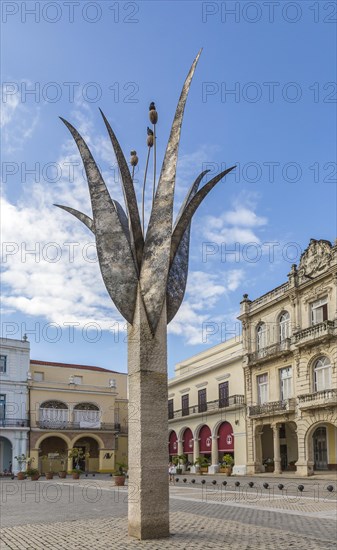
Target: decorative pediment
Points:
(315, 259)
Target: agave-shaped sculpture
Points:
(156, 263)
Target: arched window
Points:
(87, 415)
(322, 374)
(261, 333)
(53, 414)
(284, 326)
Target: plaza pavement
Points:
(92, 514)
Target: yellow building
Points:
(206, 407)
(77, 406)
(290, 352)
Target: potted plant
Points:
(64, 461)
(178, 461)
(21, 460)
(119, 477)
(202, 464)
(33, 473)
(227, 464)
(49, 457)
(268, 465)
(77, 455)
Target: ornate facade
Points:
(290, 352)
(206, 407)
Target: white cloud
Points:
(203, 292)
(18, 121)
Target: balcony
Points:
(272, 408)
(232, 402)
(317, 400)
(273, 351)
(93, 426)
(311, 336)
(14, 423)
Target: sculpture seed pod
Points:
(150, 141)
(134, 158)
(153, 115)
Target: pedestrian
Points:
(171, 472)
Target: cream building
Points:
(290, 352)
(206, 407)
(77, 406)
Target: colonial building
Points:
(290, 352)
(14, 366)
(77, 406)
(206, 407)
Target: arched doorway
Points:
(90, 461)
(188, 444)
(6, 465)
(225, 440)
(205, 443)
(320, 448)
(53, 454)
(173, 444)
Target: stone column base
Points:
(214, 469)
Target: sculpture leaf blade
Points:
(113, 248)
(156, 256)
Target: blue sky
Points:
(278, 126)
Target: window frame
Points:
(202, 400)
(260, 385)
(320, 305)
(291, 393)
(325, 371)
(185, 410)
(261, 336)
(170, 407)
(284, 326)
(3, 364)
(223, 399)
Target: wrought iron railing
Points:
(230, 401)
(64, 425)
(274, 349)
(272, 407)
(14, 423)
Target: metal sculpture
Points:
(145, 273)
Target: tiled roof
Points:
(71, 366)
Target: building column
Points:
(277, 454)
(214, 468)
(180, 450)
(195, 469)
(258, 449)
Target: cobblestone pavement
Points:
(92, 514)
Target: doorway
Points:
(320, 449)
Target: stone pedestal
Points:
(148, 428)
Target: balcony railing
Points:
(270, 351)
(64, 425)
(211, 406)
(273, 407)
(14, 423)
(325, 398)
(309, 335)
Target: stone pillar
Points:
(180, 450)
(148, 427)
(214, 468)
(70, 462)
(195, 449)
(258, 449)
(277, 455)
